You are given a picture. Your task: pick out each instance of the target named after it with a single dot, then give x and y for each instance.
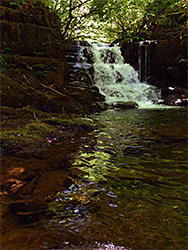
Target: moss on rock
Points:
(37, 100)
(29, 39)
(28, 129)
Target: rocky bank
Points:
(35, 84)
(166, 65)
(42, 114)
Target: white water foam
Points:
(118, 81)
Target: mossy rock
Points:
(29, 127)
(30, 39)
(30, 27)
(50, 71)
(17, 95)
(67, 104)
(85, 96)
(29, 12)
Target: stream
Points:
(127, 187)
(130, 182)
(121, 186)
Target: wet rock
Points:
(168, 67)
(125, 105)
(18, 96)
(76, 172)
(98, 106)
(176, 100)
(175, 96)
(81, 78)
(37, 190)
(29, 217)
(94, 88)
(86, 97)
(25, 206)
(27, 211)
(9, 148)
(71, 58)
(14, 186)
(175, 72)
(30, 202)
(183, 63)
(66, 104)
(37, 74)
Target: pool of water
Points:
(129, 184)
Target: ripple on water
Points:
(130, 182)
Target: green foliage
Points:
(27, 66)
(3, 66)
(39, 53)
(6, 50)
(139, 19)
(42, 66)
(112, 20)
(18, 3)
(42, 72)
(167, 16)
(39, 69)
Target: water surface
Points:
(129, 186)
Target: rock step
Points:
(123, 105)
(71, 58)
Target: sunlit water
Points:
(118, 81)
(129, 186)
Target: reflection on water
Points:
(130, 182)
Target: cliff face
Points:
(165, 56)
(167, 59)
(34, 59)
(160, 40)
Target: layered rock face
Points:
(81, 77)
(35, 69)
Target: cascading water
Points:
(146, 59)
(118, 81)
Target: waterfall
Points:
(143, 61)
(118, 81)
(146, 58)
(103, 64)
